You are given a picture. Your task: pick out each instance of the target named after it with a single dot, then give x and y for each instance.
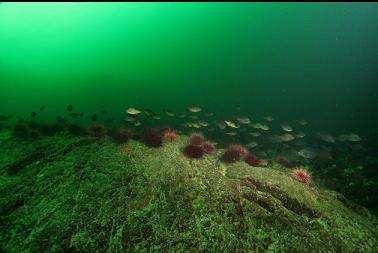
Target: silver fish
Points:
(243, 120)
(327, 138)
(308, 153)
(133, 111)
(231, 124)
(193, 109)
(287, 128)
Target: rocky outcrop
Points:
(66, 194)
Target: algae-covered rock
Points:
(65, 194)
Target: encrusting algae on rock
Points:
(158, 199)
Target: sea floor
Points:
(63, 193)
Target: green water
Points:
(314, 61)
(107, 181)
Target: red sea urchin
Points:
(302, 176)
(170, 135)
(241, 150)
(208, 148)
(196, 139)
(252, 160)
(193, 151)
(234, 153)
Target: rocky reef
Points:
(83, 194)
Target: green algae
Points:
(86, 195)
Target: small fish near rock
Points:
(287, 128)
(308, 153)
(133, 111)
(194, 109)
(231, 124)
(243, 120)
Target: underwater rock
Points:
(44, 129)
(34, 134)
(56, 128)
(21, 130)
(103, 200)
(75, 129)
(5, 118)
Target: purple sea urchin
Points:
(196, 139)
(152, 137)
(234, 153)
(208, 148)
(193, 151)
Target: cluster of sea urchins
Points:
(198, 146)
(238, 152)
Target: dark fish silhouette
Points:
(103, 112)
(94, 117)
(81, 114)
(33, 114)
(69, 108)
(42, 108)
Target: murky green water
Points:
(314, 61)
(296, 83)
